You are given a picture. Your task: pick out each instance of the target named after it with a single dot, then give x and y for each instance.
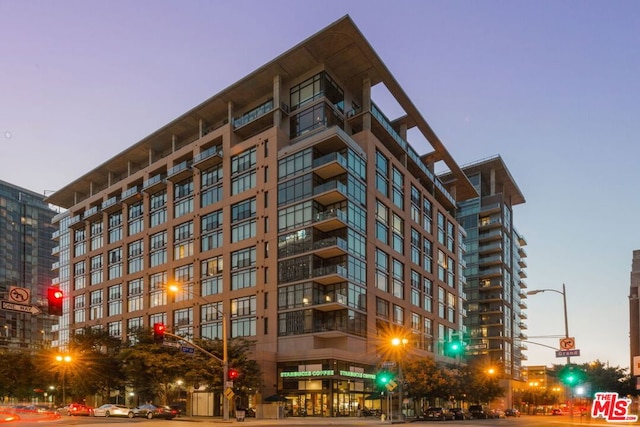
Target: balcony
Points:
(330, 247)
(179, 172)
(332, 303)
(330, 219)
(490, 248)
(330, 192)
(111, 205)
(491, 286)
(330, 274)
(491, 208)
(385, 131)
(495, 234)
(490, 260)
(154, 183)
(91, 213)
(522, 263)
(330, 165)
(209, 157)
(490, 272)
(256, 120)
(76, 222)
(489, 223)
(130, 193)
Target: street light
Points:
(564, 299)
(65, 360)
(225, 353)
(397, 342)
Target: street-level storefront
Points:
(328, 389)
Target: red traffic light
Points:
(233, 374)
(158, 332)
(54, 300)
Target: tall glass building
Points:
(27, 255)
(291, 205)
(495, 272)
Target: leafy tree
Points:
(18, 373)
(426, 379)
(150, 368)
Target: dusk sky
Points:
(551, 86)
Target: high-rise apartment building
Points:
(290, 203)
(26, 256)
(495, 270)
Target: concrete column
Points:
(366, 103)
(277, 114)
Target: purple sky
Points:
(551, 86)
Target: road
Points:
(524, 421)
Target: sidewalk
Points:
(371, 421)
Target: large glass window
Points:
(320, 85)
(158, 252)
(158, 212)
(318, 116)
(115, 227)
(183, 240)
(136, 219)
(296, 163)
(183, 197)
(382, 174)
(135, 256)
(398, 188)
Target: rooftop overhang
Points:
(340, 47)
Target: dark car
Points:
(480, 412)
(438, 413)
(460, 414)
(79, 409)
(512, 412)
(155, 411)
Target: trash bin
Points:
(240, 413)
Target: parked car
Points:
(154, 411)
(556, 411)
(460, 414)
(79, 409)
(111, 410)
(438, 413)
(498, 413)
(480, 412)
(512, 412)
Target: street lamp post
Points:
(225, 354)
(564, 300)
(66, 359)
(397, 342)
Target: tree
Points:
(18, 373)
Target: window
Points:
(135, 290)
(96, 269)
(398, 233)
(115, 263)
(96, 235)
(382, 222)
(183, 240)
(115, 227)
(382, 174)
(398, 188)
(158, 212)
(243, 161)
(158, 250)
(157, 289)
(136, 218)
(135, 258)
(183, 197)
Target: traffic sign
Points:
(568, 353)
(567, 343)
(20, 308)
(391, 385)
(229, 393)
(19, 295)
(187, 349)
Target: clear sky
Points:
(552, 86)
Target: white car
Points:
(111, 410)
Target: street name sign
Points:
(20, 308)
(568, 353)
(187, 349)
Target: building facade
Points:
(26, 256)
(495, 271)
(290, 204)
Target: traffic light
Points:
(571, 375)
(233, 374)
(54, 297)
(158, 332)
(453, 348)
(383, 378)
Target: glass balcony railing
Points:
(254, 114)
(413, 155)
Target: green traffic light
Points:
(383, 378)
